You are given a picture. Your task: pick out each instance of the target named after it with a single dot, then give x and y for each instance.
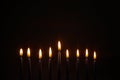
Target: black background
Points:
(39, 24)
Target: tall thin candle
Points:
(67, 64)
(59, 60)
(29, 65)
(21, 63)
(40, 64)
(49, 65)
(86, 62)
(94, 65)
(77, 64)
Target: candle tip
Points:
(59, 45)
(86, 53)
(21, 52)
(50, 52)
(40, 54)
(77, 53)
(94, 55)
(28, 52)
(67, 53)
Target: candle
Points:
(59, 60)
(94, 65)
(86, 62)
(50, 56)
(29, 63)
(77, 64)
(67, 64)
(21, 63)
(40, 64)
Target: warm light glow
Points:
(59, 45)
(77, 54)
(21, 52)
(67, 53)
(40, 54)
(50, 52)
(28, 52)
(94, 55)
(86, 53)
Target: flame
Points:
(50, 52)
(94, 55)
(59, 45)
(77, 53)
(86, 53)
(28, 52)
(40, 54)
(67, 53)
(21, 52)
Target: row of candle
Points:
(50, 53)
(59, 60)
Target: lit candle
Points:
(59, 53)
(50, 68)
(77, 64)
(59, 60)
(40, 64)
(21, 63)
(67, 64)
(86, 62)
(29, 63)
(94, 65)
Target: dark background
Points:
(39, 24)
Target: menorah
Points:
(40, 56)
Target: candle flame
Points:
(50, 52)
(77, 54)
(67, 53)
(21, 52)
(40, 54)
(28, 52)
(59, 45)
(94, 55)
(86, 53)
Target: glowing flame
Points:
(77, 54)
(59, 45)
(21, 52)
(50, 52)
(86, 53)
(67, 53)
(94, 55)
(28, 52)
(40, 54)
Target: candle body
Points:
(67, 69)
(59, 65)
(77, 69)
(94, 70)
(50, 69)
(86, 63)
(40, 69)
(29, 69)
(21, 68)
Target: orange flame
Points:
(67, 53)
(50, 52)
(28, 52)
(59, 45)
(77, 53)
(21, 52)
(86, 53)
(94, 55)
(40, 54)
